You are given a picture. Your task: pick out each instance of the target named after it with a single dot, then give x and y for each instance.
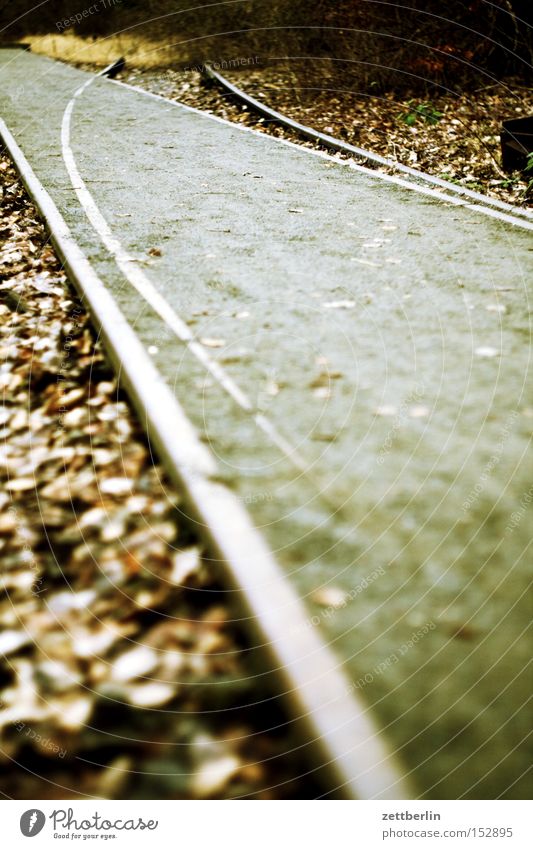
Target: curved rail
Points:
(370, 159)
(347, 747)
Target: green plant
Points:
(509, 182)
(468, 183)
(520, 177)
(528, 191)
(424, 111)
(449, 178)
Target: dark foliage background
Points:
(376, 41)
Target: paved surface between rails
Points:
(381, 338)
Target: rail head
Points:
(348, 748)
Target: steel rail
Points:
(367, 157)
(336, 728)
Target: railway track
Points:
(347, 748)
(415, 178)
(319, 525)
